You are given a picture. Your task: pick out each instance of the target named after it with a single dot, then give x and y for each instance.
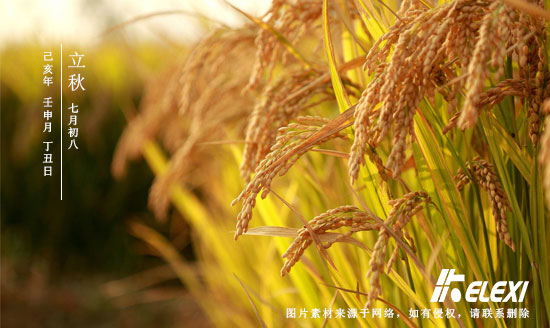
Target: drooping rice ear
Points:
(485, 176)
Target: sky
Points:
(84, 21)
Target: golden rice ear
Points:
(294, 141)
(343, 216)
(486, 177)
(280, 102)
(429, 47)
(403, 209)
(490, 48)
(491, 97)
(285, 19)
(419, 38)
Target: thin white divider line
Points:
(61, 120)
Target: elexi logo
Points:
(477, 289)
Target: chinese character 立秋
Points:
(75, 82)
(76, 60)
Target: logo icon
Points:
(442, 286)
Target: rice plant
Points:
(389, 139)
